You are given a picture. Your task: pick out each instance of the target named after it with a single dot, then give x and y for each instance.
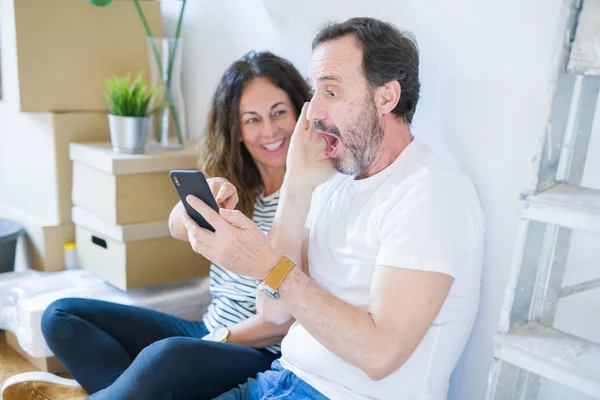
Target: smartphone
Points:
(193, 182)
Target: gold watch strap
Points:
(279, 273)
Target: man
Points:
(379, 263)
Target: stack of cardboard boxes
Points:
(54, 58)
(121, 210)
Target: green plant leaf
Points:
(100, 3)
(128, 98)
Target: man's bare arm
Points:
(404, 304)
(289, 236)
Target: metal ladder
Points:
(527, 347)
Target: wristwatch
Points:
(270, 286)
(219, 334)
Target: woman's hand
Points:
(224, 192)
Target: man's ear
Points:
(388, 97)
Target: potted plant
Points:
(165, 74)
(128, 112)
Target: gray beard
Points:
(361, 144)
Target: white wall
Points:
(484, 71)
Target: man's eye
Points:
(332, 93)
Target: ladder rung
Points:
(566, 205)
(585, 58)
(553, 355)
(580, 287)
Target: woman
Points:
(118, 352)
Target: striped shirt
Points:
(233, 295)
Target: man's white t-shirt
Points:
(419, 214)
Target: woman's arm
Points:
(256, 333)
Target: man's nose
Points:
(316, 110)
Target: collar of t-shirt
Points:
(372, 181)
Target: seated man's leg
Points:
(182, 367)
(276, 383)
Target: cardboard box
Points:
(44, 241)
(35, 169)
(56, 54)
(131, 256)
(123, 189)
(48, 364)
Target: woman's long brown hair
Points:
(222, 152)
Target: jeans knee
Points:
(162, 351)
(55, 318)
(161, 363)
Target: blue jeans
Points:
(277, 383)
(119, 352)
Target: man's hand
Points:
(224, 192)
(237, 244)
(307, 161)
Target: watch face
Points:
(220, 334)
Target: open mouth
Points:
(332, 143)
(274, 147)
